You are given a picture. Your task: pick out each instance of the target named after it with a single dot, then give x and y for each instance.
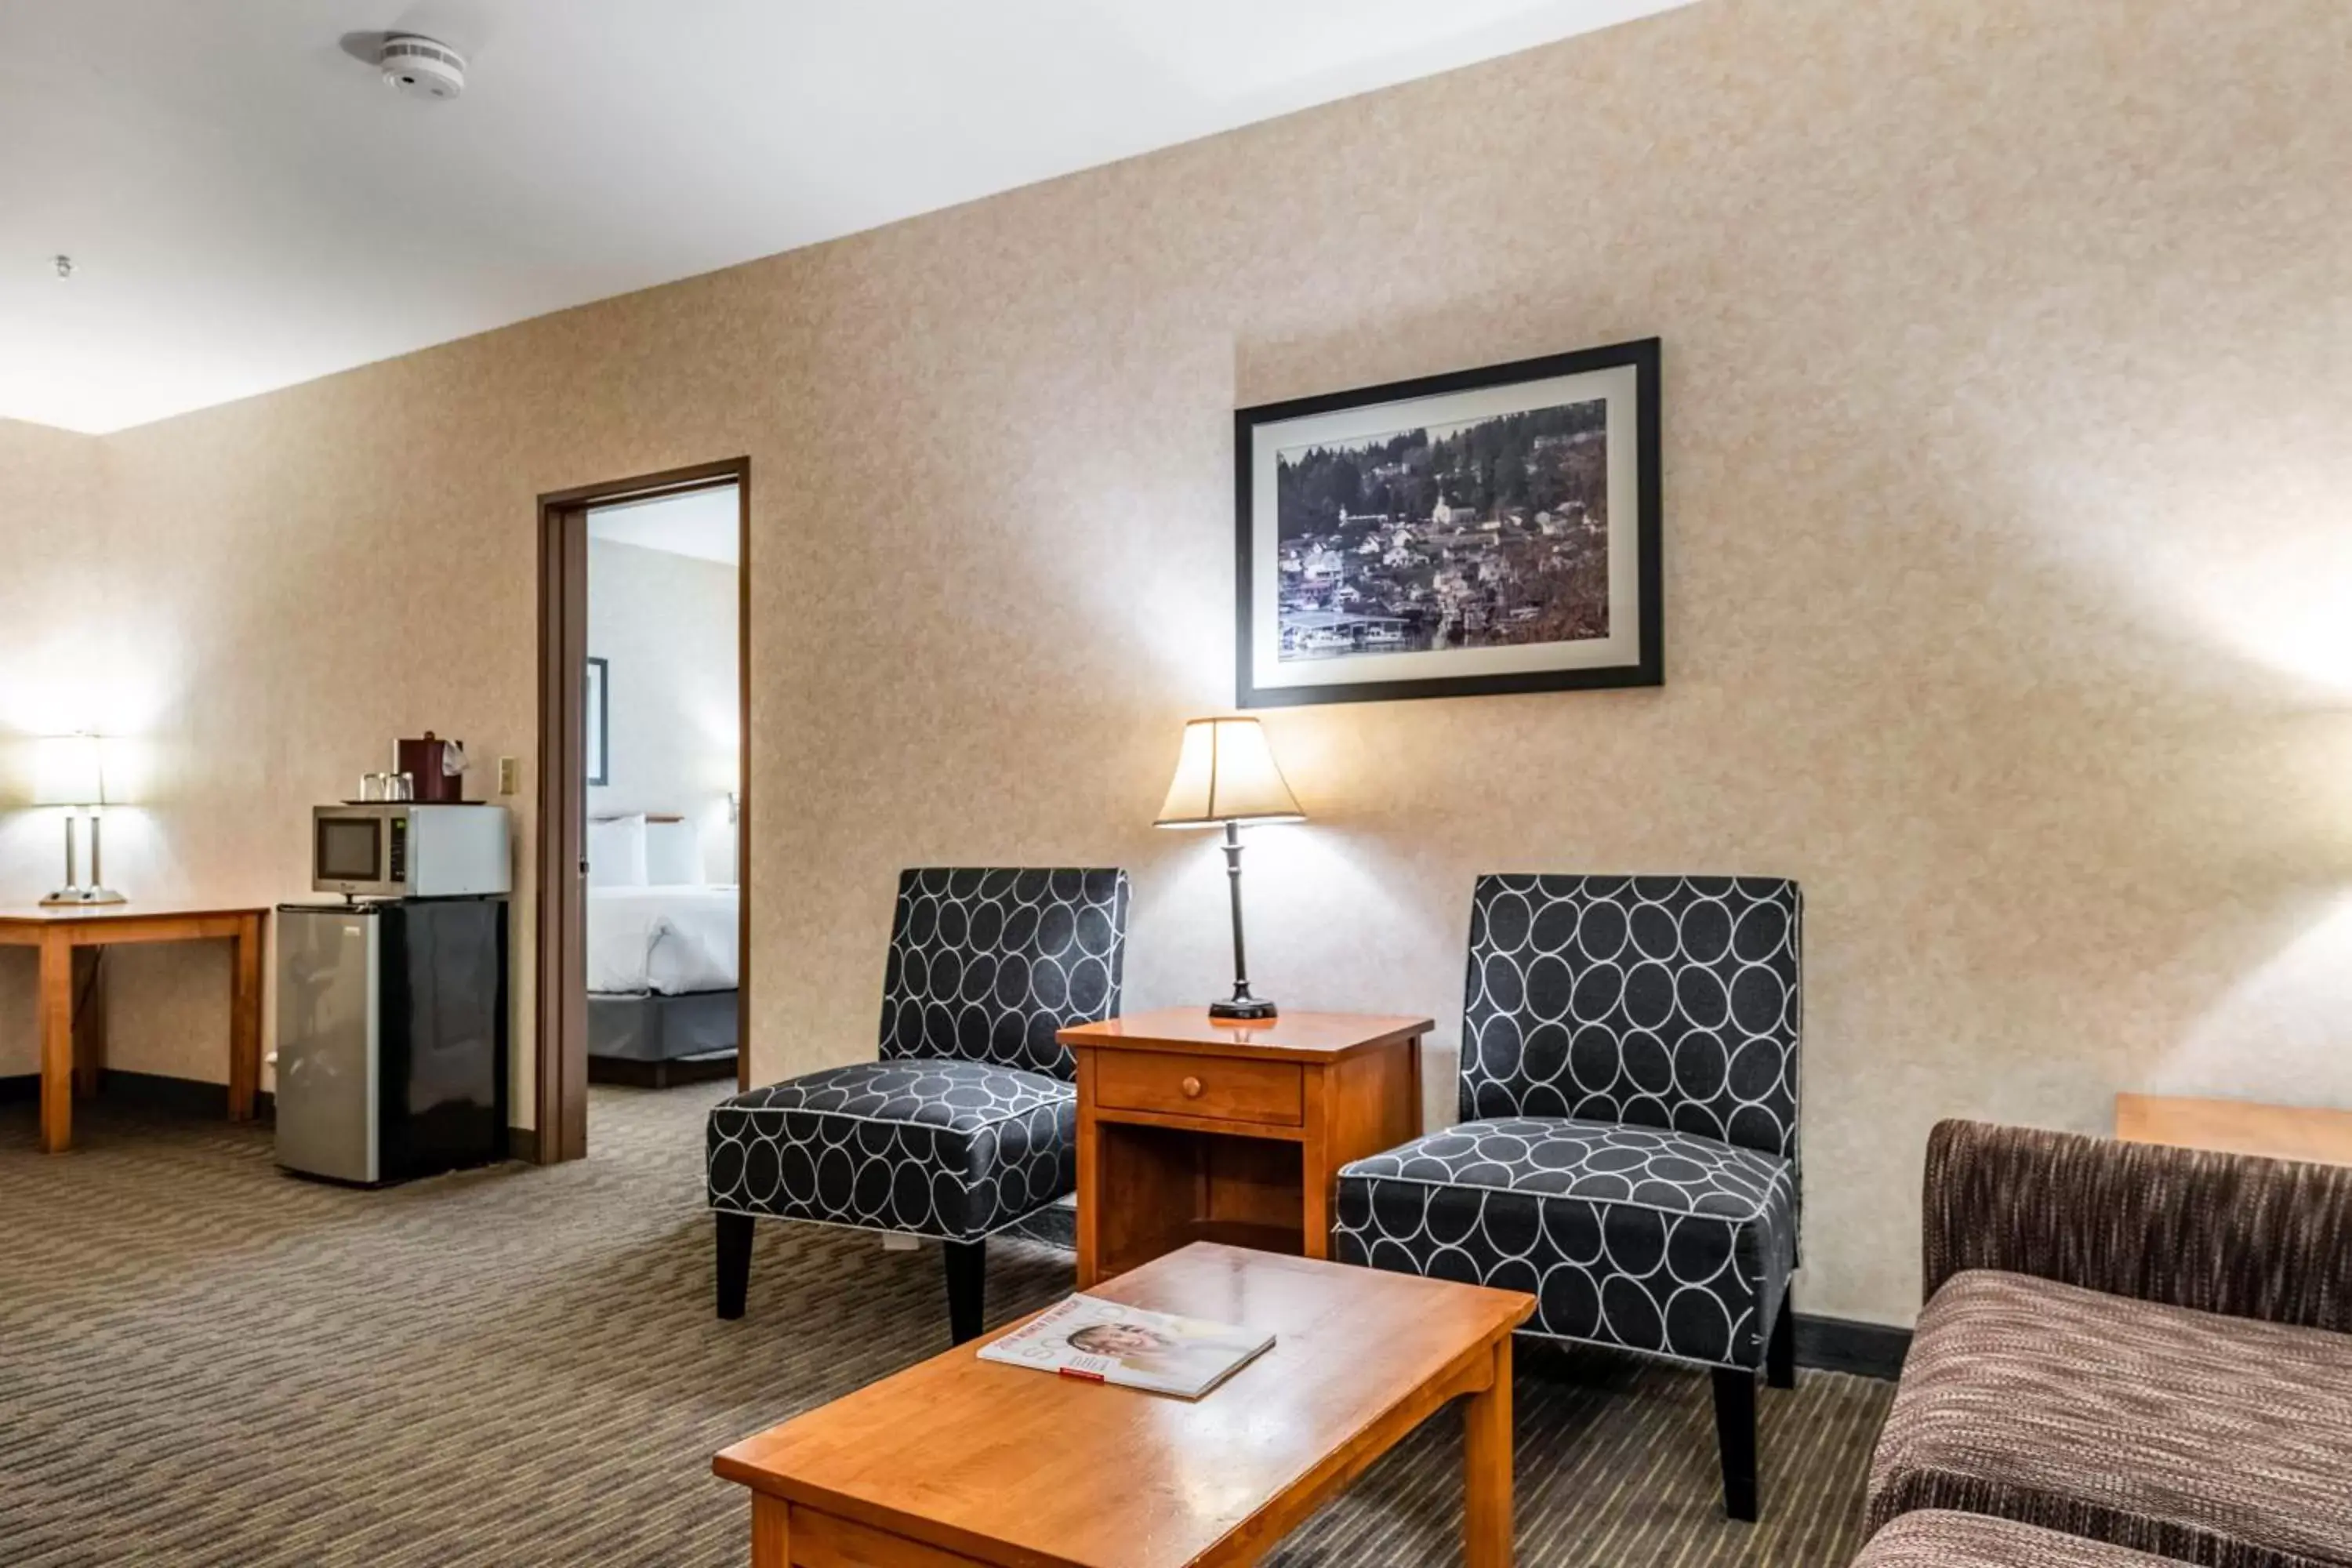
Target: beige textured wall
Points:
(74, 654)
(2009, 373)
(50, 509)
(664, 624)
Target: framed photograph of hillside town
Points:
(1490, 531)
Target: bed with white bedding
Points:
(668, 940)
(662, 947)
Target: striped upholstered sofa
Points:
(2129, 1353)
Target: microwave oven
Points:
(400, 850)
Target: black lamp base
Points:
(1240, 1007)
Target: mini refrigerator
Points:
(392, 1037)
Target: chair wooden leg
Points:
(967, 1265)
(734, 1261)
(1735, 1434)
(1780, 1355)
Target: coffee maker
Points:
(435, 769)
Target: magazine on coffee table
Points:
(1105, 1341)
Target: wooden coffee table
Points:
(957, 1461)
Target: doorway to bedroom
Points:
(644, 801)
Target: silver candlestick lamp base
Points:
(73, 895)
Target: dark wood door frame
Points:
(560, 1029)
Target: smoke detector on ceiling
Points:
(421, 67)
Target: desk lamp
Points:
(1226, 775)
(70, 771)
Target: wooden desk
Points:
(958, 1462)
(2237, 1127)
(68, 939)
(1193, 1130)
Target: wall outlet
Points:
(507, 770)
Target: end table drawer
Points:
(1219, 1088)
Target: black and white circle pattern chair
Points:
(968, 1121)
(1628, 1152)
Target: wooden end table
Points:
(2237, 1127)
(71, 932)
(1194, 1130)
(963, 1463)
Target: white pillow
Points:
(673, 855)
(617, 852)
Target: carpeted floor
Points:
(205, 1361)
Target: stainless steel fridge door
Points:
(328, 995)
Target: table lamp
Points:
(70, 771)
(1226, 774)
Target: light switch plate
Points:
(507, 771)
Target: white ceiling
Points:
(246, 206)
(705, 524)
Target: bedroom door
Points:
(576, 717)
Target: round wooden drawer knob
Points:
(1191, 1088)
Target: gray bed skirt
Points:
(651, 1028)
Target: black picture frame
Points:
(1646, 667)
(600, 721)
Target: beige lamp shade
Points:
(69, 769)
(1227, 772)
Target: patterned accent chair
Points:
(968, 1124)
(1628, 1148)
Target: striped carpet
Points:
(204, 1361)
